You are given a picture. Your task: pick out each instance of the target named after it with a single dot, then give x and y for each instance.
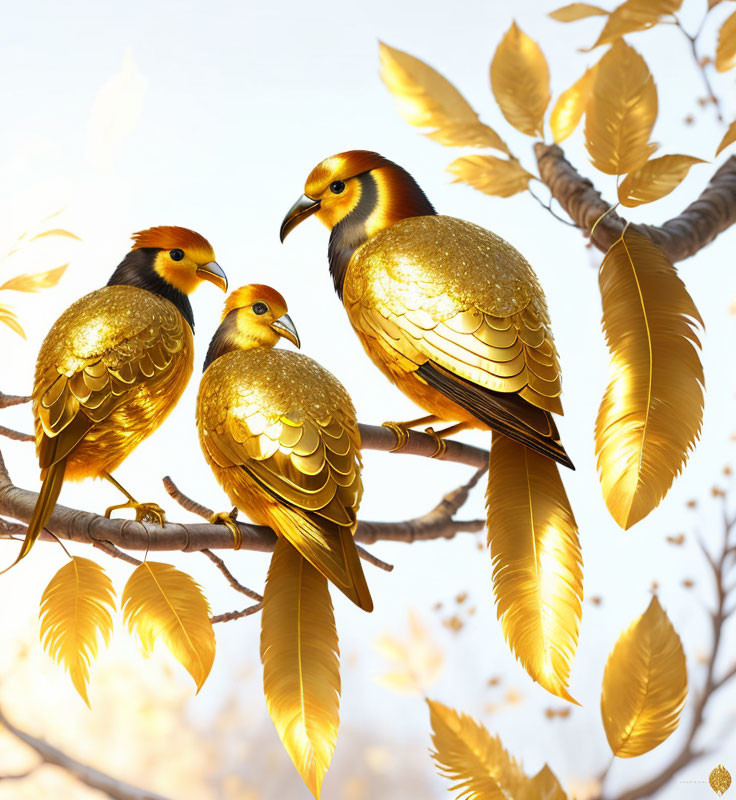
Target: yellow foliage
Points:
(655, 179)
(491, 175)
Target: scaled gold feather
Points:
(455, 317)
(114, 365)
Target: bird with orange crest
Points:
(455, 317)
(280, 434)
(115, 364)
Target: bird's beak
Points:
(303, 208)
(286, 328)
(213, 273)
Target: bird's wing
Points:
(81, 378)
(467, 315)
(308, 463)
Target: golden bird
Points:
(280, 434)
(455, 317)
(115, 364)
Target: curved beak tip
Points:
(214, 273)
(303, 208)
(284, 326)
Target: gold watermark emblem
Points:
(720, 779)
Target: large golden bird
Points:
(280, 434)
(455, 317)
(115, 364)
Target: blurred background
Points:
(210, 116)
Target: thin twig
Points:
(231, 615)
(701, 67)
(231, 579)
(111, 550)
(371, 559)
(548, 207)
(89, 776)
(17, 436)
(7, 400)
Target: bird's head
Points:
(254, 316)
(182, 258)
(369, 188)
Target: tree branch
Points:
(680, 237)
(89, 776)
(88, 528)
(7, 400)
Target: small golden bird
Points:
(280, 433)
(455, 317)
(115, 364)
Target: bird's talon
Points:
(401, 433)
(228, 518)
(441, 443)
(144, 512)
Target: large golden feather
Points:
(537, 564)
(300, 655)
(652, 411)
(161, 601)
(466, 753)
(75, 612)
(644, 685)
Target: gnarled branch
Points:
(680, 237)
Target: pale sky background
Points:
(210, 116)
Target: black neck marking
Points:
(136, 269)
(350, 233)
(223, 341)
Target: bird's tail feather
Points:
(329, 548)
(44, 506)
(537, 562)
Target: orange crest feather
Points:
(247, 295)
(167, 237)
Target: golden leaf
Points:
(726, 50)
(35, 282)
(520, 81)
(161, 601)
(570, 106)
(55, 232)
(728, 139)
(543, 786)
(635, 15)
(652, 411)
(75, 612)
(537, 565)
(10, 318)
(576, 11)
(466, 753)
(428, 100)
(491, 175)
(644, 685)
(417, 660)
(621, 112)
(720, 780)
(300, 655)
(655, 179)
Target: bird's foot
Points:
(441, 443)
(402, 435)
(144, 512)
(228, 518)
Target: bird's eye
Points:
(336, 187)
(176, 254)
(260, 308)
